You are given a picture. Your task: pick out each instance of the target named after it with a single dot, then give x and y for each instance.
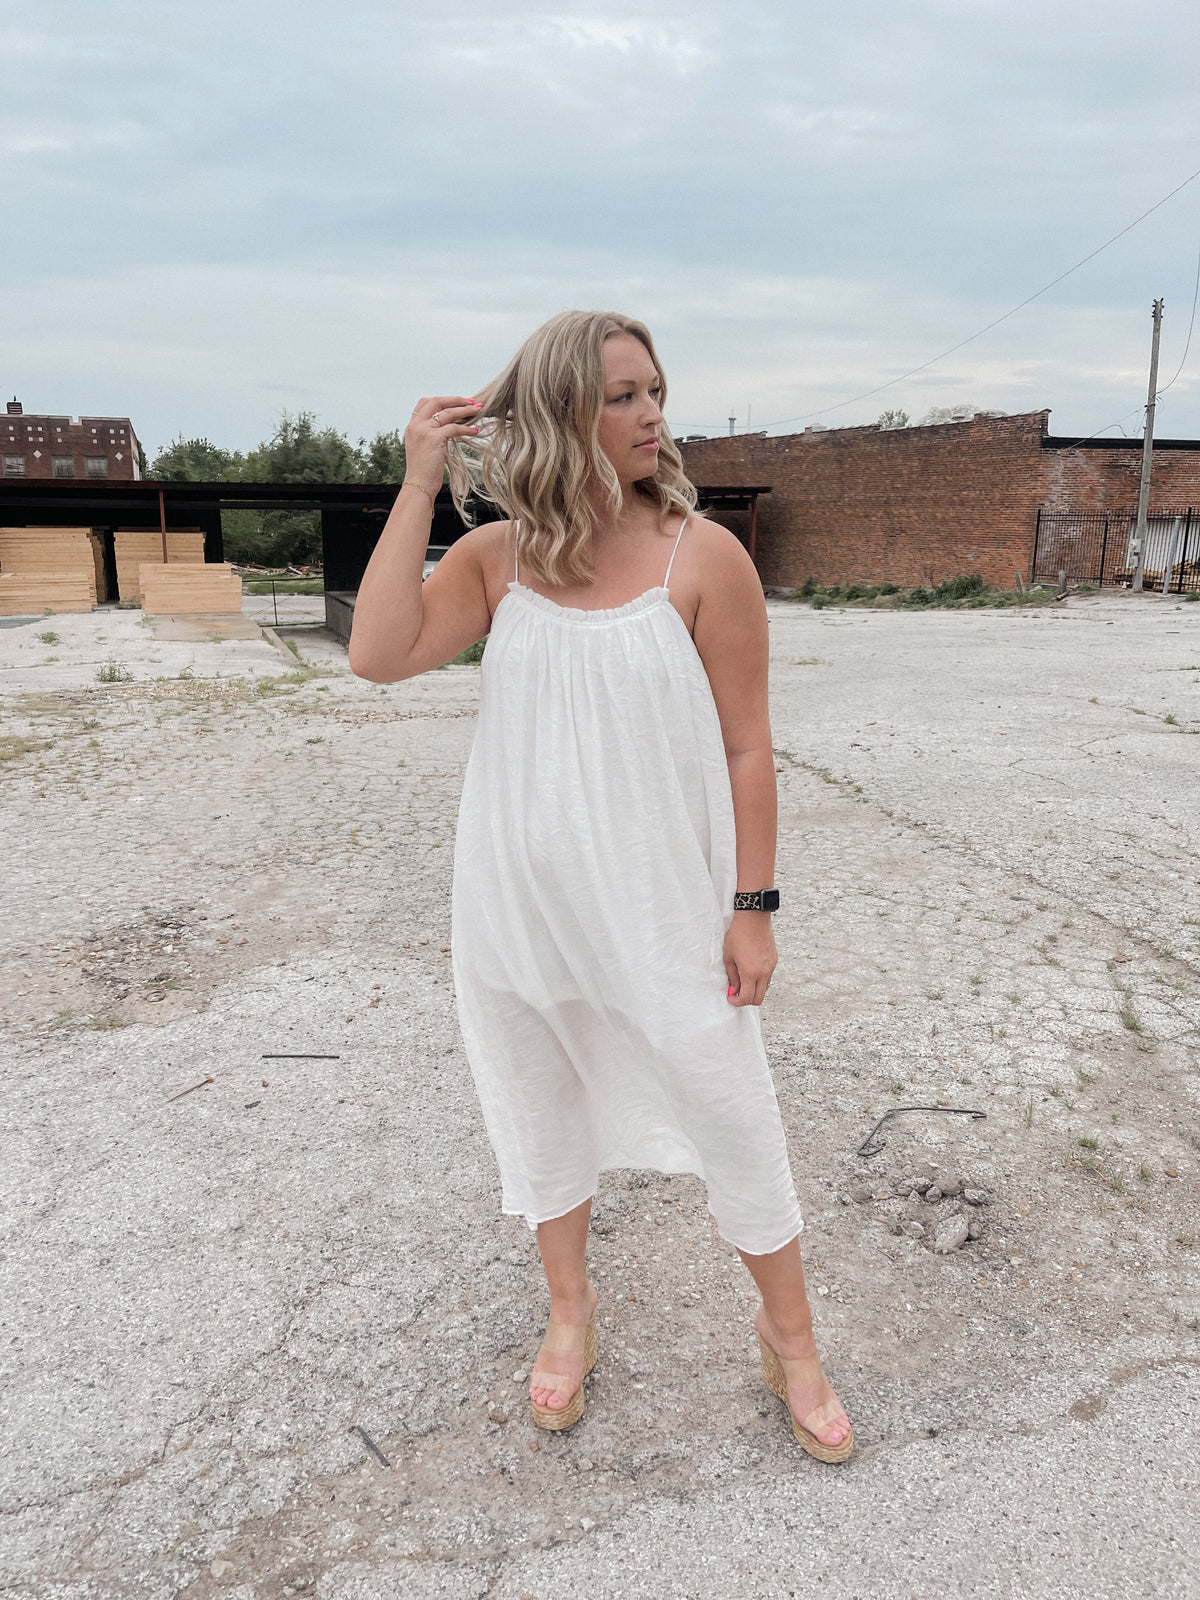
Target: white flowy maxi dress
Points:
(594, 874)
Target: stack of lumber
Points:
(136, 546)
(46, 569)
(181, 587)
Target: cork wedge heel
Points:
(567, 1338)
(776, 1374)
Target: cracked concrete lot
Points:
(216, 1265)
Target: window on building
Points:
(63, 466)
(97, 467)
(14, 466)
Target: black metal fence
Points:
(1096, 547)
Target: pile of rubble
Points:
(939, 1207)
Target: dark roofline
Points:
(140, 494)
(1054, 441)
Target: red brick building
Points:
(61, 447)
(918, 505)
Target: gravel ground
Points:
(228, 854)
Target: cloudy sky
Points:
(218, 211)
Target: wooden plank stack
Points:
(46, 569)
(135, 547)
(181, 587)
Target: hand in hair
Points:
(433, 424)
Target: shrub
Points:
(819, 601)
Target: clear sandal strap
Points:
(566, 1336)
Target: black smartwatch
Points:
(756, 900)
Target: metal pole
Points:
(162, 523)
(1037, 534)
(1187, 529)
(1103, 552)
(1147, 452)
(753, 523)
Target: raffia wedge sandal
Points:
(569, 1338)
(805, 1373)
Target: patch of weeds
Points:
(1056, 1090)
(294, 648)
(1087, 1141)
(1145, 1173)
(1043, 905)
(318, 740)
(49, 637)
(1138, 712)
(975, 979)
(1084, 1078)
(786, 755)
(13, 746)
(896, 1088)
(49, 661)
(113, 671)
(109, 1020)
(810, 661)
(1027, 1114)
(1015, 998)
(214, 637)
(934, 994)
(1172, 719)
(90, 722)
(1129, 1016)
(186, 674)
(129, 605)
(819, 602)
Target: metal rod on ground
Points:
(1139, 532)
(274, 602)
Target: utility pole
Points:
(1139, 534)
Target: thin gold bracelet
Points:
(421, 489)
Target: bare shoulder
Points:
(726, 578)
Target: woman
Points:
(619, 794)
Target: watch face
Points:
(770, 899)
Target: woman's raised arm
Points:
(402, 626)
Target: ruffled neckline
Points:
(631, 608)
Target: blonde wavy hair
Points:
(538, 453)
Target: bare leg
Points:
(785, 1321)
(563, 1246)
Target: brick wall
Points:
(917, 505)
(1106, 480)
(906, 505)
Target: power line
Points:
(933, 360)
(1191, 324)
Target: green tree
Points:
(195, 461)
(892, 419)
(384, 458)
(297, 452)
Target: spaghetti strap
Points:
(667, 579)
(516, 571)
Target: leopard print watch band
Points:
(756, 900)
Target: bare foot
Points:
(809, 1394)
(558, 1373)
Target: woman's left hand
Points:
(750, 957)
